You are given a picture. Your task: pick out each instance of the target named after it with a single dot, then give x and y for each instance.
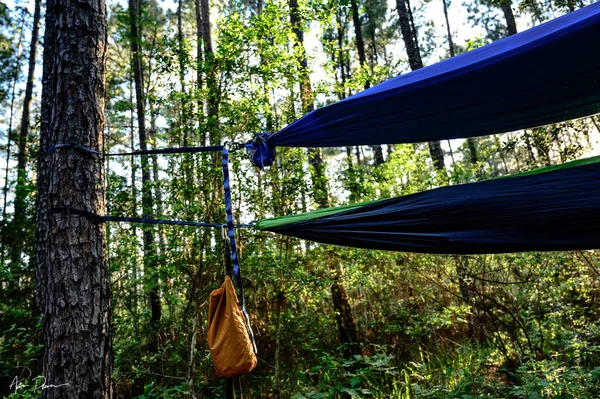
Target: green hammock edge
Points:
(271, 223)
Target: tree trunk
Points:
(181, 59)
(211, 83)
(511, 25)
(409, 36)
(151, 274)
(358, 37)
(73, 278)
(15, 80)
(199, 80)
(341, 55)
(279, 302)
(362, 59)
(134, 191)
(319, 180)
(450, 42)
(21, 190)
(472, 150)
(437, 154)
(470, 140)
(315, 158)
(348, 334)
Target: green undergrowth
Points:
(467, 372)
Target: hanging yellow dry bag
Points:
(228, 337)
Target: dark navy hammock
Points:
(548, 211)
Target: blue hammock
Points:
(547, 74)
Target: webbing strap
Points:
(230, 228)
(101, 219)
(237, 275)
(180, 150)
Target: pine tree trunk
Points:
(72, 274)
(450, 42)
(409, 36)
(21, 191)
(199, 80)
(134, 191)
(151, 274)
(9, 136)
(211, 83)
(362, 59)
(319, 180)
(511, 25)
(358, 37)
(343, 315)
(470, 140)
(341, 56)
(181, 59)
(315, 158)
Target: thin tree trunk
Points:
(362, 59)
(343, 315)
(511, 25)
(465, 290)
(279, 301)
(449, 31)
(470, 141)
(73, 277)
(192, 366)
(148, 232)
(211, 83)
(199, 79)
(341, 57)
(134, 192)
(320, 190)
(181, 59)
(315, 158)
(409, 36)
(9, 137)
(21, 191)
(451, 153)
(501, 153)
(358, 37)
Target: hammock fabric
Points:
(547, 74)
(541, 211)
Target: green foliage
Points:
(495, 326)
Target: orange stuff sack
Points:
(228, 339)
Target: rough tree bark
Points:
(148, 232)
(73, 282)
(21, 192)
(409, 36)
